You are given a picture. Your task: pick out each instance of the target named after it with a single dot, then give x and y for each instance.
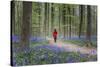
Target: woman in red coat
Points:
(55, 35)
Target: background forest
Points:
(32, 24)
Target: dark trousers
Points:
(55, 39)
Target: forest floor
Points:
(69, 47)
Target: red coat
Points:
(54, 34)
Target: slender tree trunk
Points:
(73, 22)
(81, 19)
(39, 20)
(42, 19)
(45, 22)
(88, 35)
(59, 20)
(69, 11)
(50, 19)
(64, 11)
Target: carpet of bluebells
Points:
(49, 55)
(46, 54)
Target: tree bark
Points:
(81, 20)
(88, 35)
(25, 29)
(63, 15)
(42, 19)
(69, 11)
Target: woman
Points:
(55, 35)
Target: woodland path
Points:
(69, 47)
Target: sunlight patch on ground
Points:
(72, 47)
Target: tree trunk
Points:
(88, 33)
(50, 19)
(69, 11)
(45, 22)
(63, 14)
(42, 19)
(81, 20)
(25, 30)
(88, 36)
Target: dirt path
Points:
(73, 48)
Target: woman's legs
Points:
(55, 39)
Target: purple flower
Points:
(15, 38)
(70, 59)
(83, 55)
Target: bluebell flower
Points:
(83, 55)
(15, 38)
(70, 59)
